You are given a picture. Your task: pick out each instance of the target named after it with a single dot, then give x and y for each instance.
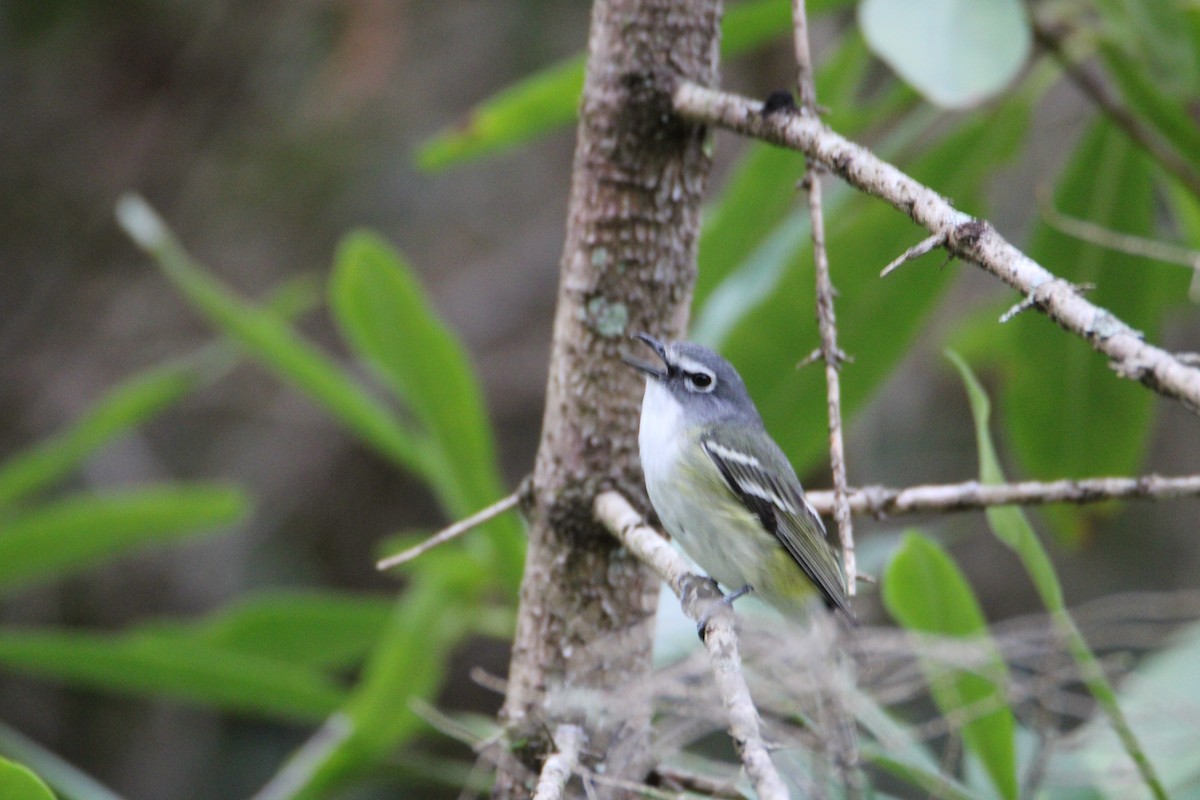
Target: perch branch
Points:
(826, 317)
(699, 598)
(967, 238)
(561, 764)
(452, 532)
(883, 501)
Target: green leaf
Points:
(549, 98)
(524, 110)
(1159, 36)
(19, 783)
(957, 53)
(67, 780)
(1154, 695)
(877, 318)
(81, 531)
(317, 629)
(926, 592)
(148, 665)
(896, 749)
(1011, 527)
(267, 336)
(408, 664)
(1067, 413)
(131, 403)
(383, 312)
(930, 781)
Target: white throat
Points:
(660, 434)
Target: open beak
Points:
(656, 372)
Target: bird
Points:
(722, 487)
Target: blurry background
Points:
(263, 132)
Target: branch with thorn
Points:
(701, 601)
(882, 501)
(967, 238)
(887, 501)
(452, 532)
(826, 317)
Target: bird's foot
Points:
(725, 603)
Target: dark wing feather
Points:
(773, 493)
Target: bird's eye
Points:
(700, 380)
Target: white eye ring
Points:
(701, 382)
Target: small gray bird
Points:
(723, 488)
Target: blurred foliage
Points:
(926, 592)
(19, 783)
(362, 667)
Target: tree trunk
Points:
(586, 620)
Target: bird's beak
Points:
(658, 373)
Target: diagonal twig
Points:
(967, 238)
(453, 531)
(701, 600)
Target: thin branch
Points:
(701, 601)
(919, 249)
(561, 764)
(1127, 243)
(883, 501)
(970, 239)
(452, 532)
(1097, 90)
(826, 317)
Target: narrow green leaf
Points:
(896, 750)
(81, 531)
(314, 629)
(926, 592)
(1068, 415)
(408, 664)
(129, 404)
(19, 783)
(928, 780)
(524, 110)
(1144, 92)
(267, 337)
(67, 780)
(1155, 695)
(384, 313)
(146, 665)
(549, 98)
(1011, 527)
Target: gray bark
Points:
(582, 649)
